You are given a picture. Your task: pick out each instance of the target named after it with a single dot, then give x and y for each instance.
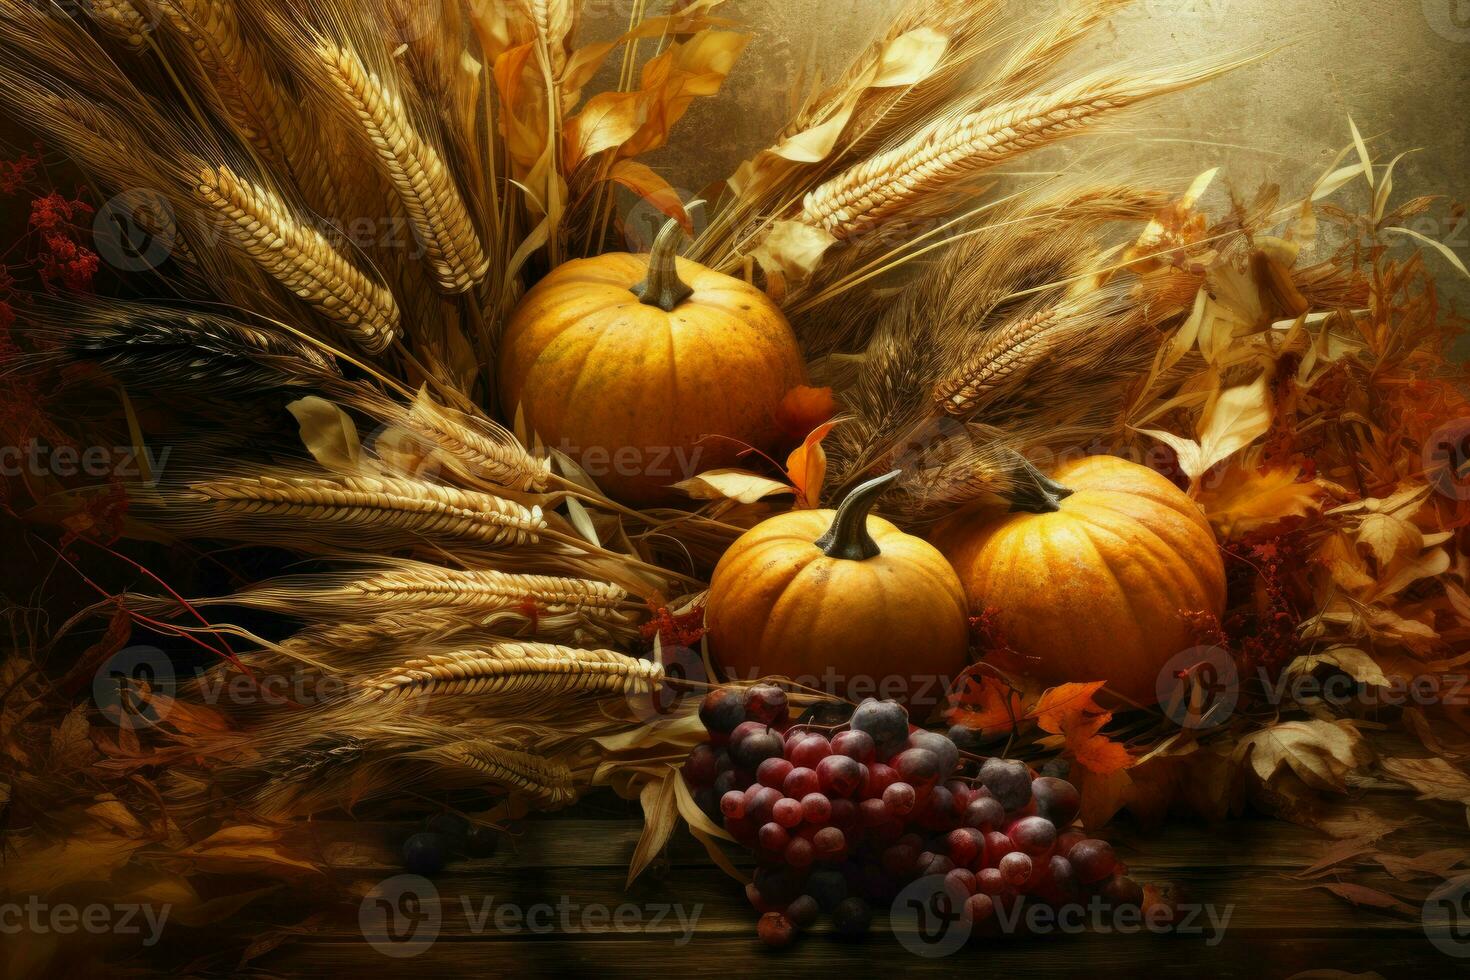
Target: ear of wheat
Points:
(515, 670)
(548, 783)
(300, 258)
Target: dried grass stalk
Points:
(554, 22)
(374, 505)
(418, 174)
(952, 149)
(546, 781)
(121, 19)
(508, 670)
(300, 258)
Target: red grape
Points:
(1034, 835)
(844, 813)
(960, 882)
(758, 803)
(809, 750)
(776, 930)
(984, 813)
(856, 745)
(799, 853)
(766, 703)
(1069, 840)
(944, 750)
(786, 812)
(744, 730)
(1093, 860)
(990, 881)
(1016, 867)
(804, 911)
(965, 845)
(880, 777)
(1121, 890)
(732, 804)
(840, 774)
(934, 864)
(773, 772)
(978, 908)
(1056, 799)
(753, 896)
(756, 747)
(960, 790)
(851, 918)
(899, 859)
(872, 813)
(997, 846)
(700, 768)
(829, 842)
(917, 767)
(773, 837)
(800, 782)
(816, 808)
(721, 710)
(899, 799)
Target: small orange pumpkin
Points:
(627, 363)
(845, 600)
(1094, 585)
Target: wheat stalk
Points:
(553, 21)
(430, 197)
(1006, 356)
(360, 503)
(503, 461)
(300, 258)
(546, 781)
(952, 149)
(516, 669)
(122, 19)
(417, 585)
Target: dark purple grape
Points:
(940, 811)
(778, 885)
(700, 767)
(1064, 884)
(776, 930)
(900, 860)
(828, 886)
(766, 703)
(804, 911)
(856, 745)
(886, 722)
(944, 749)
(744, 730)
(985, 813)
(1056, 799)
(1008, 781)
(721, 710)
(852, 918)
(918, 767)
(1122, 891)
(1093, 859)
(840, 775)
(1034, 835)
(756, 748)
(424, 853)
(759, 800)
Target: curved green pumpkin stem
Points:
(663, 287)
(1033, 492)
(848, 537)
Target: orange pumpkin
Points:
(628, 363)
(1095, 585)
(844, 601)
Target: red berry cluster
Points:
(843, 817)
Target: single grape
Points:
(766, 703)
(1016, 867)
(809, 750)
(997, 846)
(1034, 835)
(840, 775)
(816, 808)
(990, 881)
(775, 930)
(721, 710)
(899, 799)
(856, 745)
(944, 750)
(984, 813)
(918, 767)
(786, 812)
(828, 886)
(851, 918)
(744, 730)
(773, 837)
(1122, 891)
(978, 908)
(960, 883)
(799, 853)
(1093, 859)
(900, 860)
(424, 853)
(886, 722)
(699, 765)
(960, 790)
(1063, 879)
(732, 804)
(801, 782)
(935, 864)
(804, 911)
(967, 739)
(872, 813)
(1056, 799)
(756, 747)
(844, 814)
(1008, 781)
(773, 772)
(779, 885)
(964, 845)
(830, 843)
(880, 777)
(759, 800)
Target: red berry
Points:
(880, 777)
(856, 745)
(960, 882)
(816, 808)
(844, 813)
(829, 842)
(1093, 860)
(1016, 867)
(997, 846)
(840, 775)
(786, 812)
(809, 750)
(990, 881)
(799, 853)
(1034, 835)
(920, 768)
(800, 782)
(732, 804)
(978, 908)
(776, 930)
(965, 845)
(899, 799)
(766, 703)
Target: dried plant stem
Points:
(300, 258)
(516, 669)
(952, 149)
(418, 174)
(374, 503)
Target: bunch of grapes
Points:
(844, 817)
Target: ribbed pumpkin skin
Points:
(595, 369)
(777, 605)
(1095, 591)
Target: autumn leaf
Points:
(1243, 499)
(328, 433)
(740, 486)
(985, 701)
(247, 849)
(806, 467)
(608, 120)
(1233, 420)
(1364, 896)
(1320, 752)
(804, 408)
(1433, 778)
(1070, 711)
(649, 186)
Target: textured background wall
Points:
(1400, 67)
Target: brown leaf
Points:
(1433, 778)
(649, 186)
(660, 816)
(1362, 895)
(1321, 752)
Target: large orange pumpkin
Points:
(628, 363)
(844, 601)
(1096, 585)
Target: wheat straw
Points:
(1008, 354)
(503, 462)
(301, 259)
(547, 781)
(121, 19)
(430, 197)
(516, 669)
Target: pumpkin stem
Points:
(848, 537)
(1033, 492)
(663, 287)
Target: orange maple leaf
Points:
(1070, 711)
(986, 701)
(806, 467)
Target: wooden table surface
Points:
(1279, 925)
